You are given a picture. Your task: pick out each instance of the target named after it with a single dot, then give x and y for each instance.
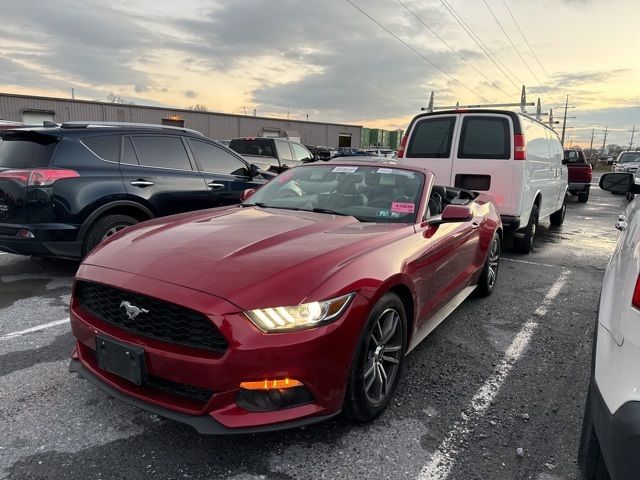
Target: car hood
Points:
(248, 256)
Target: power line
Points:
(487, 51)
(491, 82)
(513, 45)
(421, 55)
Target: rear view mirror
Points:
(621, 183)
(246, 194)
(456, 213)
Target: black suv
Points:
(64, 189)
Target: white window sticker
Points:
(393, 171)
(344, 169)
(384, 170)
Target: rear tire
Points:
(590, 459)
(103, 228)
(380, 346)
(583, 197)
(557, 218)
(527, 244)
(489, 273)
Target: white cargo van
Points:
(508, 155)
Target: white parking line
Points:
(442, 461)
(528, 262)
(33, 329)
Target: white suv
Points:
(610, 443)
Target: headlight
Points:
(305, 315)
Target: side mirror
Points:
(565, 161)
(254, 170)
(621, 183)
(452, 214)
(246, 194)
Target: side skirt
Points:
(440, 316)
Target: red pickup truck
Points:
(580, 174)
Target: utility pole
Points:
(604, 141)
(593, 132)
(564, 123)
(73, 93)
(633, 132)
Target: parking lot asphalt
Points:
(501, 373)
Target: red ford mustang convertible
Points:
(298, 304)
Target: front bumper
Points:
(320, 358)
(52, 240)
(618, 435)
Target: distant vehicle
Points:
(289, 309)
(350, 152)
(610, 439)
(580, 174)
(319, 152)
(381, 152)
(271, 154)
(64, 189)
(510, 156)
(627, 162)
(365, 159)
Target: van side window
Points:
(485, 137)
(431, 138)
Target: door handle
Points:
(621, 225)
(215, 186)
(141, 183)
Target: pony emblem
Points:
(132, 311)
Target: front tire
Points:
(489, 273)
(103, 228)
(527, 244)
(557, 218)
(378, 361)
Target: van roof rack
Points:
(154, 126)
(523, 104)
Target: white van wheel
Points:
(527, 243)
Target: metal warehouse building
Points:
(219, 126)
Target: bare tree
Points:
(198, 107)
(114, 98)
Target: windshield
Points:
(261, 147)
(370, 194)
(629, 157)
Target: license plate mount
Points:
(126, 361)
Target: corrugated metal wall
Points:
(213, 125)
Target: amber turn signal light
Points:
(271, 384)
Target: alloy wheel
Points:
(113, 231)
(383, 356)
(494, 259)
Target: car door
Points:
(158, 170)
(445, 263)
(226, 176)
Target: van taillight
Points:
(519, 147)
(636, 295)
(39, 177)
(403, 144)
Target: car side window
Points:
(128, 153)
(161, 151)
(431, 138)
(301, 153)
(106, 147)
(485, 138)
(284, 152)
(214, 159)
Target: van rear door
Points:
(483, 157)
(430, 145)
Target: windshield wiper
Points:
(257, 204)
(328, 210)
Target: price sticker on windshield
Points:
(344, 169)
(284, 177)
(403, 207)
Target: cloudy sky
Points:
(328, 60)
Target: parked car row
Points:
(271, 154)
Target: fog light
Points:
(25, 234)
(254, 397)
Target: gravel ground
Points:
(504, 373)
